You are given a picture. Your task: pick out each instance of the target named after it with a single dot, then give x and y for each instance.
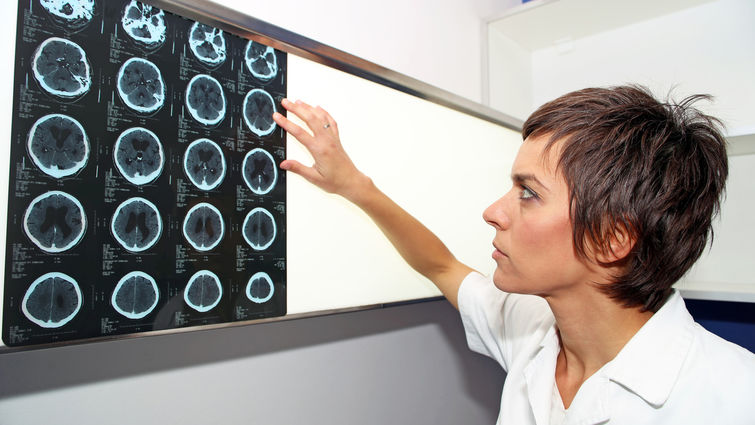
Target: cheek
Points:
(551, 235)
(547, 245)
(541, 258)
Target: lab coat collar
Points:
(540, 387)
(650, 363)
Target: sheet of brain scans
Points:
(144, 189)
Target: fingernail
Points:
(285, 101)
(276, 115)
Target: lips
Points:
(498, 253)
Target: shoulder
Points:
(709, 362)
(499, 324)
(717, 361)
(684, 373)
(478, 294)
(717, 379)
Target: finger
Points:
(328, 123)
(300, 109)
(333, 123)
(293, 129)
(296, 167)
(315, 117)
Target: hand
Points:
(333, 170)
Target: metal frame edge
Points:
(4, 349)
(246, 26)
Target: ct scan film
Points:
(144, 189)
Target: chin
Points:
(506, 283)
(503, 282)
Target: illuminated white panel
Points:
(443, 166)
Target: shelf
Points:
(543, 23)
(717, 291)
(741, 145)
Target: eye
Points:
(527, 194)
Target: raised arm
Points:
(333, 171)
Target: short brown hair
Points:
(656, 169)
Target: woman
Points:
(612, 201)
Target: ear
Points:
(619, 244)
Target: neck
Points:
(593, 329)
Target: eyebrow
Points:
(523, 178)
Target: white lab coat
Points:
(672, 371)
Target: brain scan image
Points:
(141, 86)
(203, 227)
(258, 112)
(207, 43)
(204, 163)
(261, 61)
(73, 13)
(144, 182)
(203, 291)
(61, 68)
(144, 23)
(259, 170)
(205, 99)
(259, 229)
(139, 155)
(55, 221)
(52, 300)
(135, 295)
(136, 224)
(260, 288)
(58, 145)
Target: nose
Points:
(496, 214)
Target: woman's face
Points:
(534, 252)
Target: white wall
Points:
(401, 365)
